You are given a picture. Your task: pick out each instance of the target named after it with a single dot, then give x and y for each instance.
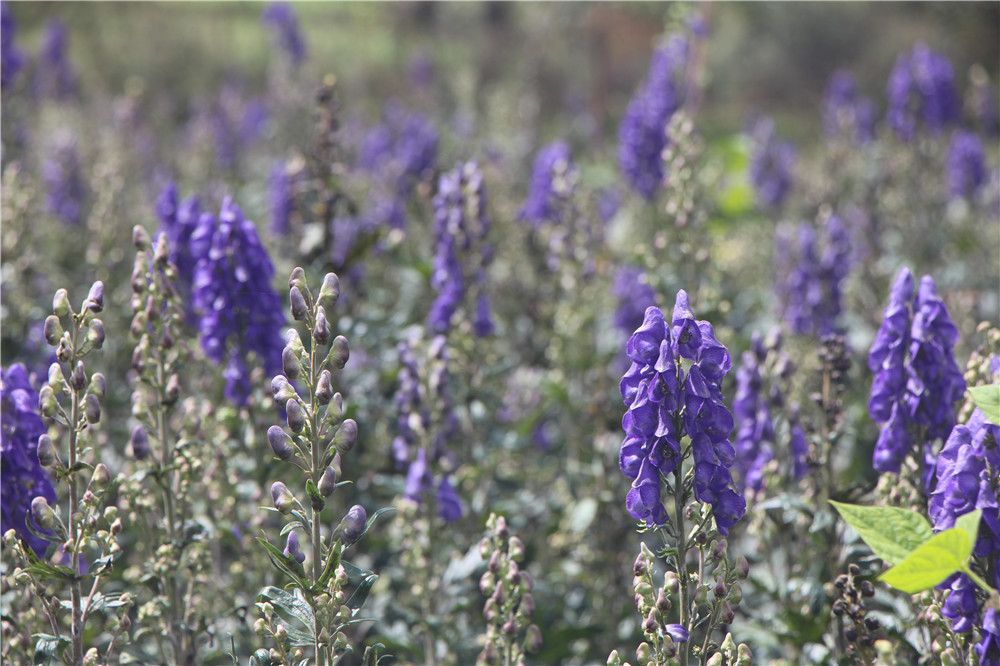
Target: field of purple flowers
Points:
(500, 334)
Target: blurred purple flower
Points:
(64, 181)
(280, 17)
(810, 290)
(921, 91)
(539, 206)
(755, 434)
(634, 294)
(771, 163)
(281, 202)
(846, 113)
(966, 164)
(11, 58)
(56, 76)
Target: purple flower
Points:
(400, 150)
(921, 91)
(770, 166)
(846, 113)
(810, 290)
(179, 220)
(988, 649)
(56, 74)
(11, 57)
(916, 380)
(678, 633)
(64, 181)
(966, 164)
(543, 193)
(281, 201)
(609, 200)
(462, 253)
(755, 429)
(281, 19)
(293, 549)
(663, 403)
(642, 134)
(448, 503)
(634, 295)
(239, 312)
(24, 478)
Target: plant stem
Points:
(681, 555)
(76, 627)
(316, 517)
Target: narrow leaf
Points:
(931, 563)
(891, 532)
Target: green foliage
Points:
(892, 533)
(987, 399)
(944, 554)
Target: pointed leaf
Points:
(969, 522)
(892, 533)
(931, 563)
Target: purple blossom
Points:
(280, 17)
(988, 648)
(400, 150)
(293, 549)
(239, 311)
(771, 165)
(634, 294)
(642, 134)
(448, 503)
(65, 185)
(543, 198)
(56, 74)
(461, 255)
(810, 291)
(11, 57)
(755, 434)
(966, 164)
(235, 125)
(921, 91)
(23, 477)
(179, 220)
(664, 403)
(846, 113)
(916, 380)
(609, 200)
(281, 201)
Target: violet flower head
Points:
(281, 201)
(462, 253)
(921, 93)
(755, 433)
(967, 171)
(664, 402)
(988, 648)
(541, 204)
(66, 189)
(11, 58)
(400, 150)
(916, 380)
(24, 478)
(642, 134)
(410, 411)
(771, 164)
(846, 113)
(179, 220)
(449, 504)
(281, 19)
(634, 294)
(810, 290)
(56, 74)
(239, 311)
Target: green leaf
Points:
(298, 615)
(969, 523)
(48, 648)
(287, 565)
(987, 399)
(931, 563)
(892, 533)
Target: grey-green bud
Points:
(324, 388)
(340, 352)
(298, 303)
(92, 408)
(295, 415)
(328, 482)
(330, 291)
(52, 330)
(346, 436)
(60, 303)
(321, 330)
(46, 454)
(280, 442)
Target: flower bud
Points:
(140, 237)
(47, 402)
(298, 303)
(346, 436)
(340, 351)
(56, 379)
(662, 601)
(101, 476)
(52, 330)
(173, 390)
(742, 567)
(78, 378)
(281, 389)
(92, 408)
(327, 482)
(293, 549)
(139, 442)
(259, 627)
(42, 513)
(98, 385)
(283, 499)
(60, 303)
(352, 525)
(643, 653)
(290, 363)
(614, 659)
(95, 297)
(330, 291)
(516, 549)
(321, 330)
(279, 441)
(324, 388)
(533, 639)
(527, 605)
(335, 410)
(64, 350)
(95, 333)
(46, 454)
(295, 415)
(161, 255)
(297, 278)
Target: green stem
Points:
(316, 534)
(681, 555)
(967, 570)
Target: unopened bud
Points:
(533, 639)
(78, 378)
(290, 362)
(140, 237)
(298, 303)
(52, 330)
(324, 388)
(295, 415)
(281, 389)
(346, 436)
(283, 499)
(340, 352)
(95, 297)
(98, 385)
(327, 482)
(173, 390)
(330, 291)
(516, 549)
(60, 303)
(46, 454)
(139, 442)
(92, 408)
(321, 330)
(279, 441)
(352, 525)
(293, 549)
(101, 476)
(42, 513)
(47, 402)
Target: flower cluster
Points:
(280, 199)
(967, 171)
(56, 76)
(462, 254)
(66, 189)
(401, 149)
(771, 163)
(845, 112)
(921, 91)
(235, 124)
(553, 164)
(509, 607)
(281, 19)
(634, 294)
(426, 421)
(642, 134)
(810, 291)
(665, 402)
(11, 57)
(917, 382)
(24, 478)
(179, 220)
(238, 311)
